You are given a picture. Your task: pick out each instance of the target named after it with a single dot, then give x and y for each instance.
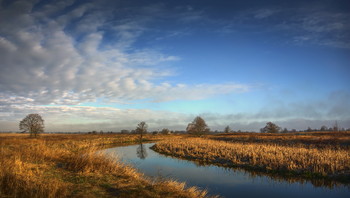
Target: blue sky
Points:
(107, 65)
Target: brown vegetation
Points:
(263, 153)
(317, 139)
(69, 166)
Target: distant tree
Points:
(270, 128)
(124, 131)
(32, 123)
(165, 131)
(308, 129)
(335, 127)
(197, 127)
(323, 128)
(285, 130)
(141, 129)
(293, 130)
(227, 129)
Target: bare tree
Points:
(227, 129)
(335, 127)
(32, 123)
(323, 128)
(165, 131)
(141, 129)
(270, 128)
(197, 127)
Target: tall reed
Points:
(325, 161)
(57, 166)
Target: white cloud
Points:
(197, 92)
(67, 54)
(50, 62)
(87, 118)
(297, 115)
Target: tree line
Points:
(34, 124)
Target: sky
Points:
(108, 64)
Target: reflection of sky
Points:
(225, 182)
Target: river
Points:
(222, 181)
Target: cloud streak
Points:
(301, 25)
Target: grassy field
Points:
(318, 139)
(61, 165)
(68, 166)
(312, 155)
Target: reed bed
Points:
(308, 161)
(319, 139)
(70, 166)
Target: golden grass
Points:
(318, 139)
(327, 161)
(70, 166)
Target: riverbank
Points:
(318, 139)
(68, 166)
(308, 161)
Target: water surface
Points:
(220, 181)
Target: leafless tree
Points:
(270, 128)
(197, 127)
(141, 129)
(323, 128)
(335, 127)
(165, 131)
(227, 129)
(285, 130)
(32, 123)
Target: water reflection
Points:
(253, 174)
(227, 182)
(141, 151)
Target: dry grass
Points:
(305, 160)
(69, 166)
(319, 139)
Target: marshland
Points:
(97, 98)
(71, 165)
